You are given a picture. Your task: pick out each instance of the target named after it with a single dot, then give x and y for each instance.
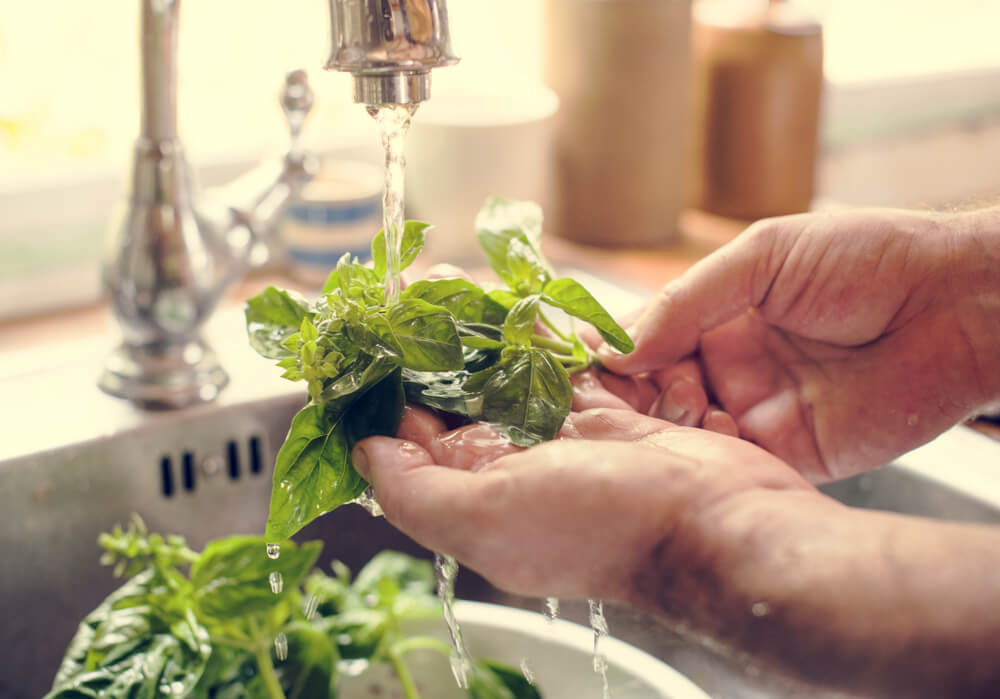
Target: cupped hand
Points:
(576, 517)
(835, 341)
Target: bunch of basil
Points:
(447, 344)
(208, 633)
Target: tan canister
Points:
(621, 69)
(758, 75)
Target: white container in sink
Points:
(558, 653)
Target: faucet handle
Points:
(296, 101)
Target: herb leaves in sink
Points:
(202, 625)
(447, 344)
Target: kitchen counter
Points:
(642, 269)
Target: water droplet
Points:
(281, 646)
(600, 626)
(277, 582)
(552, 608)
(760, 609)
(353, 668)
(526, 670)
(310, 607)
(273, 551)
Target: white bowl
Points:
(558, 653)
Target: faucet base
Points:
(164, 375)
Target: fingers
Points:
(683, 398)
(599, 389)
(467, 448)
(589, 392)
(716, 289)
(418, 495)
(717, 420)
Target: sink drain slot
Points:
(167, 477)
(236, 465)
(255, 460)
(233, 458)
(187, 470)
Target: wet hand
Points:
(576, 517)
(835, 341)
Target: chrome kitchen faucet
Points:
(171, 255)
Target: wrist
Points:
(864, 601)
(974, 277)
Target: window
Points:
(69, 110)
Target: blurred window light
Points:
(69, 105)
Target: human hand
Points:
(836, 341)
(577, 517)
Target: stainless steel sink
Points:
(74, 461)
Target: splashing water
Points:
(551, 608)
(281, 646)
(446, 568)
(600, 626)
(393, 121)
(276, 581)
(526, 670)
(367, 500)
(273, 551)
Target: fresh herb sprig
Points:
(202, 625)
(447, 344)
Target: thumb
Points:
(715, 290)
(423, 499)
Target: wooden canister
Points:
(621, 69)
(758, 74)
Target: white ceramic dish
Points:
(558, 653)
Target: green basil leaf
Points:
(466, 301)
(310, 669)
(500, 224)
(333, 281)
(312, 472)
(412, 575)
(358, 632)
(231, 577)
(441, 391)
(527, 269)
(414, 236)
(352, 281)
(134, 645)
(480, 336)
(365, 371)
(424, 336)
(272, 316)
(569, 295)
(479, 342)
(499, 215)
(520, 322)
(377, 412)
(226, 674)
(493, 680)
(527, 394)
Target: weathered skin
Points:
(828, 344)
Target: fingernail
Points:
(669, 410)
(360, 461)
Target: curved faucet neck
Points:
(158, 44)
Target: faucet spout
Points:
(389, 47)
(170, 256)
